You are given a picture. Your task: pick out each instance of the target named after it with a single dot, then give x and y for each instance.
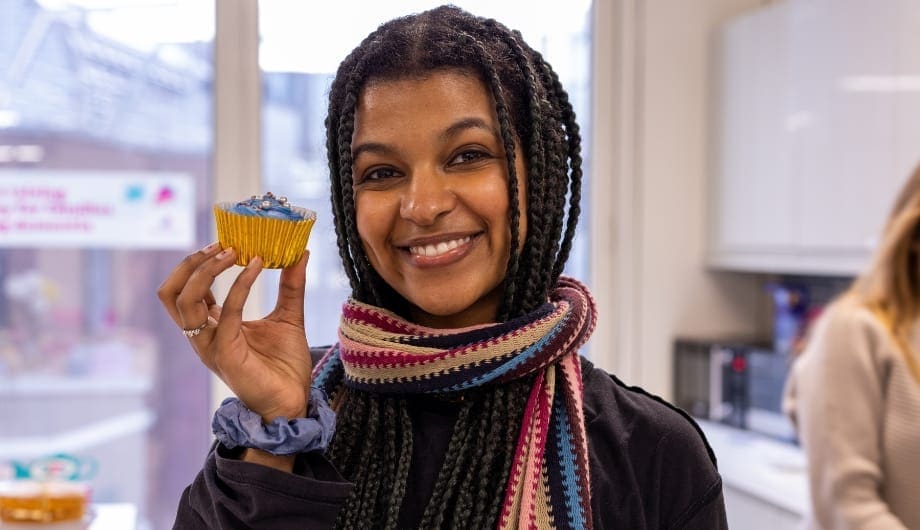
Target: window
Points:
(105, 147)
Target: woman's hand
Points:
(266, 362)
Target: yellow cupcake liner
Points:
(279, 242)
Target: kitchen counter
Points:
(102, 516)
(115, 516)
(762, 469)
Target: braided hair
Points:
(373, 444)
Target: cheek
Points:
(369, 222)
(495, 195)
(493, 201)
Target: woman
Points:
(855, 391)
(459, 395)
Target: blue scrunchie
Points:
(235, 426)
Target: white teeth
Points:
(441, 248)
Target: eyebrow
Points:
(467, 123)
(448, 133)
(371, 147)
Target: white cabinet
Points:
(753, 91)
(817, 128)
(845, 153)
(906, 90)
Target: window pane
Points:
(105, 147)
(302, 44)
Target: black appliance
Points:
(735, 382)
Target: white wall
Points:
(654, 98)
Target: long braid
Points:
(486, 451)
(363, 472)
(497, 404)
(536, 162)
(517, 398)
(338, 207)
(348, 429)
(402, 467)
(574, 197)
(533, 109)
(390, 457)
(573, 137)
(339, 127)
(375, 455)
(557, 165)
(440, 503)
(346, 129)
(481, 452)
(474, 466)
(466, 466)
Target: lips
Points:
(440, 250)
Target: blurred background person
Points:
(854, 393)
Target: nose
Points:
(427, 197)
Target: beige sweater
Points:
(857, 408)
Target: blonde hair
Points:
(890, 287)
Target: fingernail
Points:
(256, 261)
(225, 252)
(211, 247)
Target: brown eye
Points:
(379, 173)
(468, 156)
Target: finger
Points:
(171, 287)
(209, 298)
(291, 290)
(214, 311)
(231, 315)
(196, 298)
(213, 306)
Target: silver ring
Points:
(195, 331)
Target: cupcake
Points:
(264, 226)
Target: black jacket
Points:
(650, 466)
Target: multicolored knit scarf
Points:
(549, 486)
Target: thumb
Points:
(291, 289)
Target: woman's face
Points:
(431, 194)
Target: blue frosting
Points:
(266, 206)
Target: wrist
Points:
(270, 417)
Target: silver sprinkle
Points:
(282, 199)
(266, 205)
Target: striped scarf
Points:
(548, 486)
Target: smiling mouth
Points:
(438, 249)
